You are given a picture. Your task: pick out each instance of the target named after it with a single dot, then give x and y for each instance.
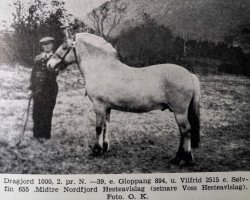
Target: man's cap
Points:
(46, 39)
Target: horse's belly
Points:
(137, 109)
(129, 97)
(136, 103)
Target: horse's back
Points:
(172, 77)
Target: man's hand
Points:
(30, 94)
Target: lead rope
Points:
(77, 63)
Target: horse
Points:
(111, 84)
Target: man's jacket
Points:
(41, 77)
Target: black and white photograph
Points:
(124, 87)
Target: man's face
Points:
(47, 47)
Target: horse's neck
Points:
(94, 62)
(98, 63)
(95, 66)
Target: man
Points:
(44, 91)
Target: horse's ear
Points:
(68, 38)
(66, 33)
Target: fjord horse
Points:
(110, 84)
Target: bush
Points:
(29, 26)
(146, 44)
(241, 68)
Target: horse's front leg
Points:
(184, 153)
(101, 143)
(105, 131)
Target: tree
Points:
(146, 44)
(106, 17)
(77, 26)
(30, 25)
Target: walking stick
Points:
(27, 118)
(26, 121)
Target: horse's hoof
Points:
(189, 163)
(175, 161)
(105, 146)
(97, 150)
(187, 157)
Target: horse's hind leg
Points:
(100, 111)
(105, 132)
(184, 153)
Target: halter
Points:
(75, 61)
(62, 58)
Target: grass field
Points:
(140, 143)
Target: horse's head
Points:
(64, 56)
(89, 46)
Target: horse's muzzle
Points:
(49, 67)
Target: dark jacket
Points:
(41, 78)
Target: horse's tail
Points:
(194, 114)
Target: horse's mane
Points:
(96, 42)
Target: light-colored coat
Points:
(110, 84)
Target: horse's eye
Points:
(64, 47)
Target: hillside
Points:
(199, 19)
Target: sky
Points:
(78, 8)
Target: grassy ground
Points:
(140, 143)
